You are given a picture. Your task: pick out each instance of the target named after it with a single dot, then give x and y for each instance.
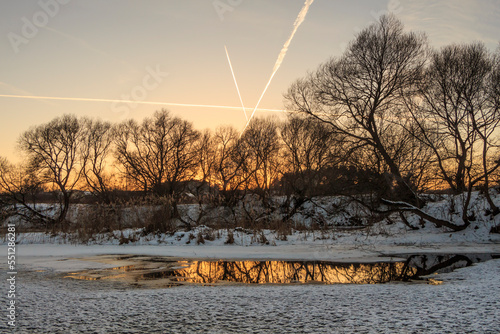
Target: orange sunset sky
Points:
(173, 52)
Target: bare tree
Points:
(458, 114)
(143, 150)
(183, 162)
(310, 148)
(360, 95)
(52, 150)
(262, 142)
(364, 96)
(230, 171)
(95, 152)
(205, 157)
(159, 154)
(486, 124)
(20, 188)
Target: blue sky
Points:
(108, 49)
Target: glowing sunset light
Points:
(120, 62)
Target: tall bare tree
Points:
(52, 149)
(205, 157)
(230, 171)
(458, 114)
(310, 148)
(262, 142)
(184, 158)
(95, 153)
(159, 154)
(360, 95)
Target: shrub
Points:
(230, 238)
(200, 239)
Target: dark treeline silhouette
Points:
(389, 118)
(423, 117)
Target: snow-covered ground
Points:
(467, 302)
(345, 222)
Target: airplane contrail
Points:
(234, 77)
(133, 102)
(298, 21)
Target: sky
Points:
(173, 51)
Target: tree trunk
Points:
(402, 206)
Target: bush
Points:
(200, 239)
(230, 238)
(95, 219)
(160, 221)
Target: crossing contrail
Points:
(298, 21)
(234, 77)
(133, 102)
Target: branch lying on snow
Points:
(406, 222)
(403, 206)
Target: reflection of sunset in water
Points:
(292, 272)
(147, 271)
(162, 272)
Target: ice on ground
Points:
(467, 302)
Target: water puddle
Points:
(161, 272)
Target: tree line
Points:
(390, 117)
(166, 156)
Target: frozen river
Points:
(467, 302)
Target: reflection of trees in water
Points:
(284, 271)
(288, 272)
(432, 263)
(326, 272)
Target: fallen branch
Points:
(403, 206)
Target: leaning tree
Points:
(361, 96)
(382, 97)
